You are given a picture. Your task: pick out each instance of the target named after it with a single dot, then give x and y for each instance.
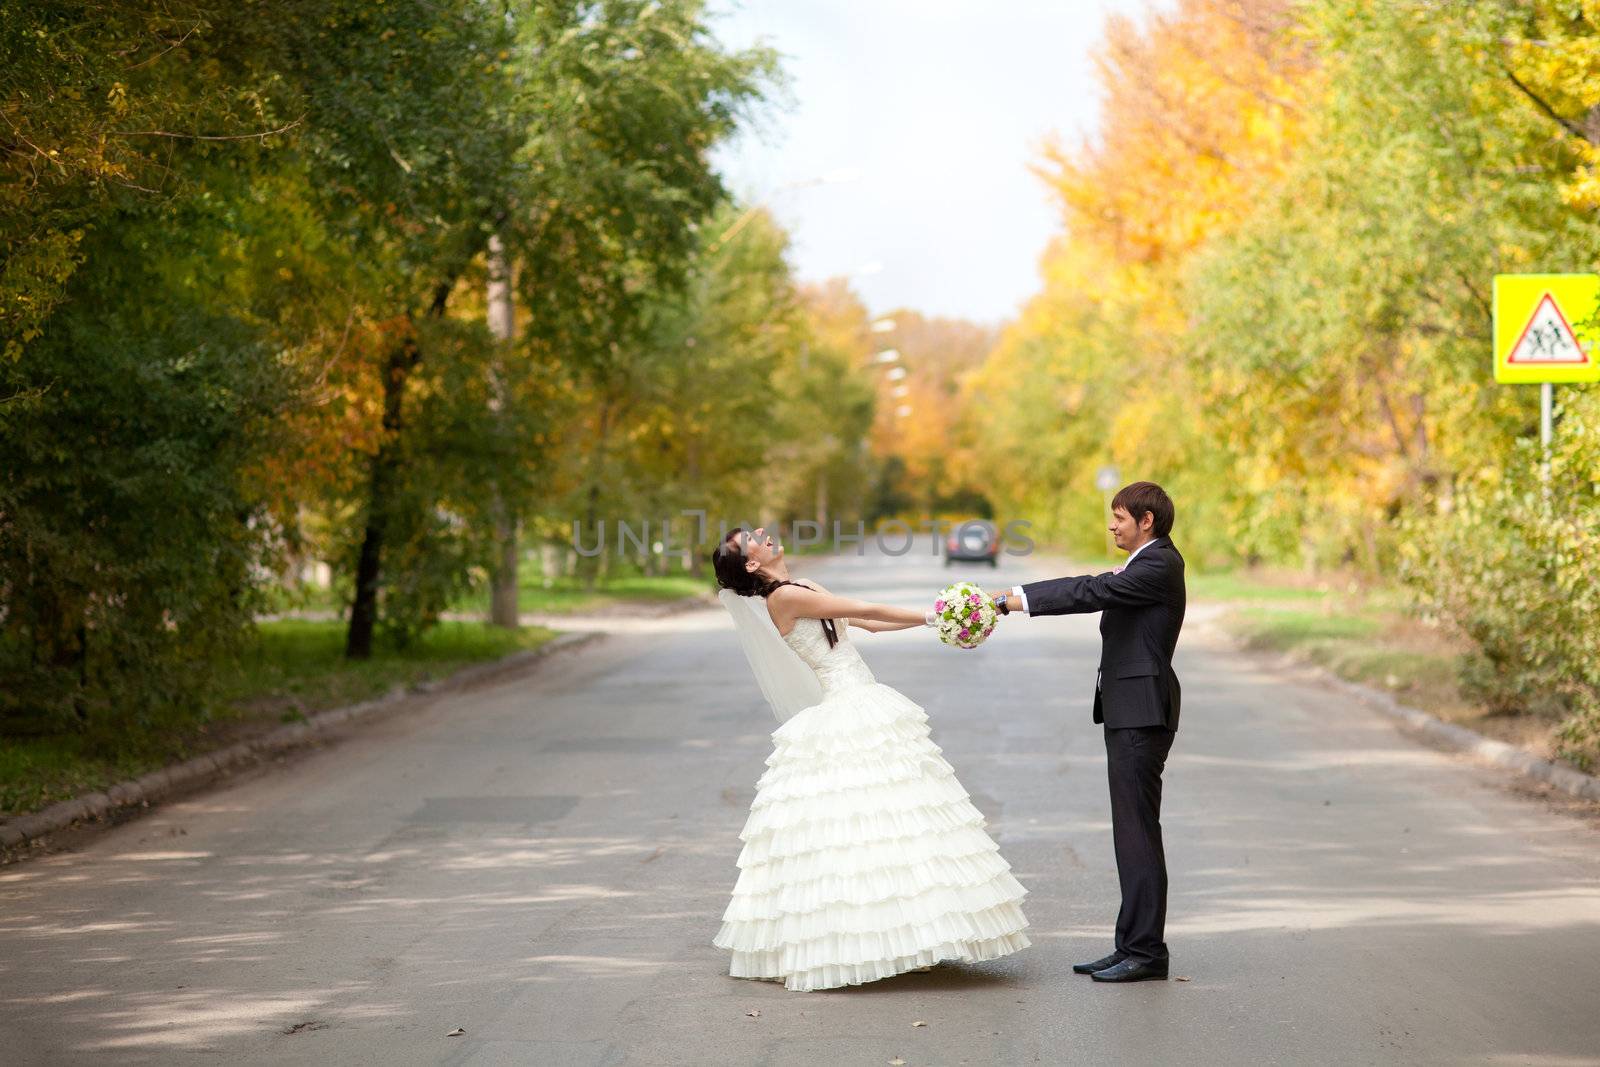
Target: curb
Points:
(1447, 735)
(1482, 749)
(157, 783)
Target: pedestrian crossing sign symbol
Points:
(1546, 327)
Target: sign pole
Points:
(1547, 404)
(1547, 393)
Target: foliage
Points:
(239, 317)
(931, 473)
(825, 404)
(108, 109)
(129, 537)
(622, 102)
(134, 399)
(1272, 295)
(747, 396)
(1512, 569)
(1098, 370)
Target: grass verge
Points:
(567, 596)
(1366, 635)
(536, 594)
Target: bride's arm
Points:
(882, 627)
(797, 602)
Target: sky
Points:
(937, 107)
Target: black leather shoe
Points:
(1099, 964)
(1133, 971)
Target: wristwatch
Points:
(1000, 603)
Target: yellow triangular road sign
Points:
(1535, 339)
(1547, 338)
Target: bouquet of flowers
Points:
(963, 616)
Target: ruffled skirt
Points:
(863, 856)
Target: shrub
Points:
(1513, 569)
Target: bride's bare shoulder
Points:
(786, 593)
(782, 607)
(779, 610)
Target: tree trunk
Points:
(591, 565)
(594, 567)
(403, 359)
(503, 587)
(691, 558)
(60, 627)
(504, 610)
(502, 323)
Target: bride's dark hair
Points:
(727, 561)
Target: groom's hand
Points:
(1012, 601)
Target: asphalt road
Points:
(542, 861)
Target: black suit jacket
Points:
(1141, 612)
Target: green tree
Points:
(624, 100)
(133, 399)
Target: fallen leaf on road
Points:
(457, 1032)
(897, 1062)
(919, 1022)
(754, 1014)
(1181, 978)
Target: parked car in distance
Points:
(973, 541)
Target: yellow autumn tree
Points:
(1202, 109)
(1553, 59)
(914, 437)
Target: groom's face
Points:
(1128, 533)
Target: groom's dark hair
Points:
(1140, 497)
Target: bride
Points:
(863, 857)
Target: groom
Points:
(1136, 697)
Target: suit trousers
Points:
(1135, 758)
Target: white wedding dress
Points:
(863, 856)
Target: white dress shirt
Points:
(1017, 592)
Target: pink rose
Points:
(938, 605)
(963, 635)
(975, 598)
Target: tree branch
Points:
(1488, 310)
(170, 47)
(1565, 123)
(208, 136)
(441, 296)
